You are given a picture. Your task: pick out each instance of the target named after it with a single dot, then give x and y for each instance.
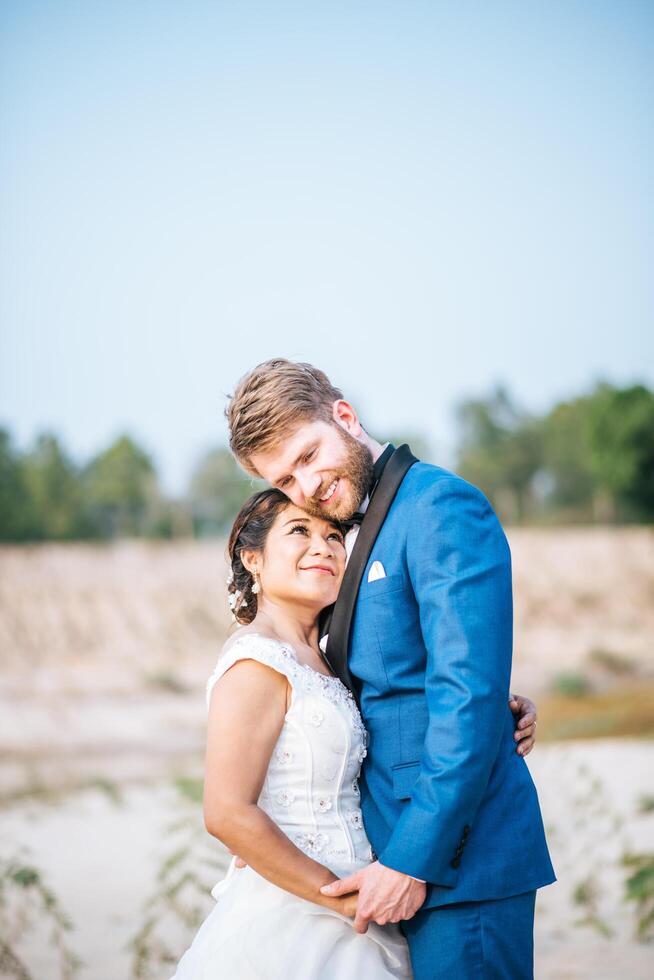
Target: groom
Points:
(422, 634)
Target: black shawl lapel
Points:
(341, 619)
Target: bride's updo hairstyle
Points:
(249, 533)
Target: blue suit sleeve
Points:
(460, 568)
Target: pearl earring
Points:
(256, 588)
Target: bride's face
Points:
(303, 560)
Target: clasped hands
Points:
(373, 894)
(380, 894)
(377, 894)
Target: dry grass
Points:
(627, 710)
(584, 602)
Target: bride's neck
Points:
(290, 623)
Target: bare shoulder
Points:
(249, 693)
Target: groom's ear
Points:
(345, 416)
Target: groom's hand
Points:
(385, 895)
(526, 717)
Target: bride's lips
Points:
(317, 568)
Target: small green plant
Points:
(613, 663)
(639, 888)
(189, 788)
(166, 680)
(25, 902)
(571, 685)
(646, 804)
(109, 787)
(182, 897)
(585, 895)
(35, 789)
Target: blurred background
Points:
(446, 206)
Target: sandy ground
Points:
(102, 859)
(105, 652)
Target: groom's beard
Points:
(356, 469)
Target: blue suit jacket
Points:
(445, 796)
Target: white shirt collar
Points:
(363, 506)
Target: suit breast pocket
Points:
(383, 586)
(388, 606)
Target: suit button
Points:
(455, 862)
(466, 830)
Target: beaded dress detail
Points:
(311, 789)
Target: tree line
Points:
(586, 460)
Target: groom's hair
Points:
(271, 400)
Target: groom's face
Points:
(321, 468)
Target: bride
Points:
(285, 743)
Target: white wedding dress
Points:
(256, 930)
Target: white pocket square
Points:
(376, 571)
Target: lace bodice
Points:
(311, 789)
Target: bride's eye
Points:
(298, 527)
(339, 537)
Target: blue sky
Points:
(422, 198)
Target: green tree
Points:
(621, 427)
(16, 512)
(500, 450)
(567, 461)
(120, 487)
(217, 489)
(53, 486)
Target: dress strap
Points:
(256, 646)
